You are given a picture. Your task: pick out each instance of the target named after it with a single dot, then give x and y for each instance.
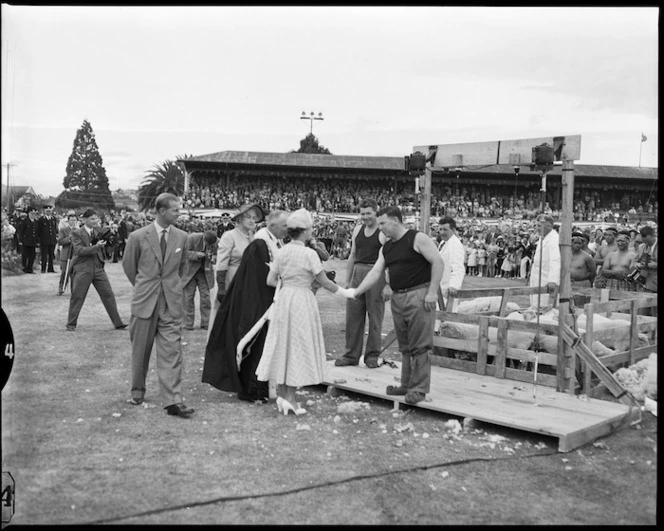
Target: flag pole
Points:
(643, 139)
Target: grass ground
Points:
(80, 453)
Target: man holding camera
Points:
(88, 268)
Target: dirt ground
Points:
(79, 453)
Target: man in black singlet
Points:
(366, 242)
(415, 269)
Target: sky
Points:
(157, 83)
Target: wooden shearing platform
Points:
(574, 421)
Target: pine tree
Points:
(85, 182)
(309, 144)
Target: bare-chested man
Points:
(603, 250)
(618, 264)
(582, 270)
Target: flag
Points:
(643, 137)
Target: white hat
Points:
(300, 219)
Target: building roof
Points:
(302, 160)
(17, 191)
(391, 164)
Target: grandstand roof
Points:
(303, 160)
(396, 164)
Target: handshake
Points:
(348, 293)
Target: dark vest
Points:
(366, 249)
(407, 267)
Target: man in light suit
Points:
(87, 268)
(154, 261)
(66, 254)
(547, 253)
(452, 252)
(201, 252)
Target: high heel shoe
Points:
(286, 406)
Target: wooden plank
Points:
(500, 151)
(605, 376)
(501, 349)
(574, 440)
(497, 401)
(482, 345)
(634, 335)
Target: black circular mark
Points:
(7, 346)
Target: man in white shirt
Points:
(452, 252)
(545, 269)
(274, 231)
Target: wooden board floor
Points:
(574, 421)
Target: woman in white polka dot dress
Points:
(294, 351)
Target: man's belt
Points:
(412, 288)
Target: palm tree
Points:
(165, 177)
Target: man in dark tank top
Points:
(415, 269)
(366, 243)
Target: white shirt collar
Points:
(159, 228)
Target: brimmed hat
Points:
(300, 219)
(245, 208)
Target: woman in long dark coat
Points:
(247, 299)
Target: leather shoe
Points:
(372, 364)
(179, 410)
(343, 362)
(121, 327)
(135, 401)
(71, 329)
(394, 390)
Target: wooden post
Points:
(425, 203)
(565, 377)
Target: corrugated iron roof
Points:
(302, 160)
(396, 164)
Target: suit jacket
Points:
(150, 275)
(64, 240)
(454, 270)
(48, 230)
(196, 243)
(86, 256)
(649, 274)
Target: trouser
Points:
(414, 329)
(28, 257)
(81, 281)
(63, 273)
(47, 257)
(369, 303)
(199, 280)
(164, 328)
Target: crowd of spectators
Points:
(457, 201)
(495, 222)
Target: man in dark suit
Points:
(88, 268)
(48, 238)
(29, 239)
(201, 251)
(154, 261)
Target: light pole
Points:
(311, 119)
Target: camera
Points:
(106, 234)
(635, 276)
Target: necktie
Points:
(278, 244)
(162, 243)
